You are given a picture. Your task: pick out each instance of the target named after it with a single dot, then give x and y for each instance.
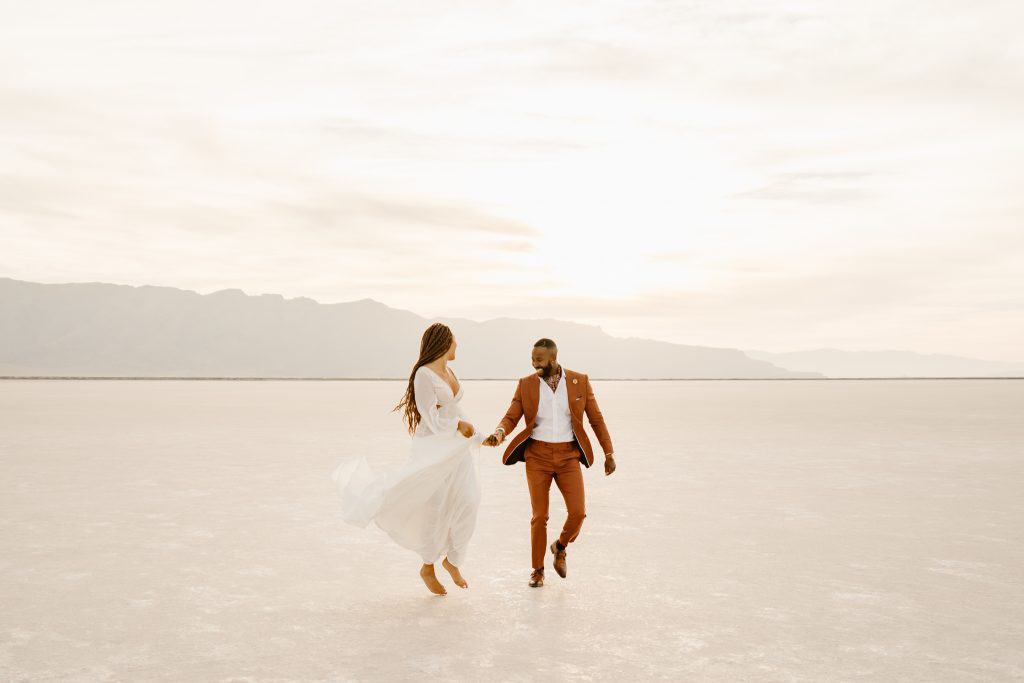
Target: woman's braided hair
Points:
(436, 341)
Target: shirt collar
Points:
(561, 373)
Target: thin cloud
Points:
(736, 173)
(835, 187)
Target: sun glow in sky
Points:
(762, 175)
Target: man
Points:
(553, 401)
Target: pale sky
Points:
(765, 175)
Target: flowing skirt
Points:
(429, 505)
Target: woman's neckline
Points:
(459, 384)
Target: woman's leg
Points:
(430, 579)
(465, 501)
(454, 571)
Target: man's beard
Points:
(547, 371)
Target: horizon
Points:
(142, 378)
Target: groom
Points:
(553, 445)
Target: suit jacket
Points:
(581, 400)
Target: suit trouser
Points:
(559, 461)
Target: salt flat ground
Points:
(796, 530)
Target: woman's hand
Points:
(466, 429)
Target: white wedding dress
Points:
(430, 504)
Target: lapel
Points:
(572, 391)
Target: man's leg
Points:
(569, 479)
(539, 473)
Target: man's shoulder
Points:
(572, 374)
(527, 378)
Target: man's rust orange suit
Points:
(558, 462)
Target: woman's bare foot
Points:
(454, 571)
(429, 578)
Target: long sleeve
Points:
(597, 420)
(426, 403)
(515, 411)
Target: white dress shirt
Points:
(554, 424)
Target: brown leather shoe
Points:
(559, 559)
(537, 578)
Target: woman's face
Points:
(451, 350)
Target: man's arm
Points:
(515, 410)
(511, 419)
(600, 428)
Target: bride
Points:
(430, 504)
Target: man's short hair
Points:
(547, 344)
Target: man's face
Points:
(543, 361)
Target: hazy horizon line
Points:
(491, 379)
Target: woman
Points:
(429, 506)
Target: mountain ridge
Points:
(107, 329)
(839, 363)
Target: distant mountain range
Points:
(96, 329)
(836, 363)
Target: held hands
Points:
(466, 429)
(494, 439)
